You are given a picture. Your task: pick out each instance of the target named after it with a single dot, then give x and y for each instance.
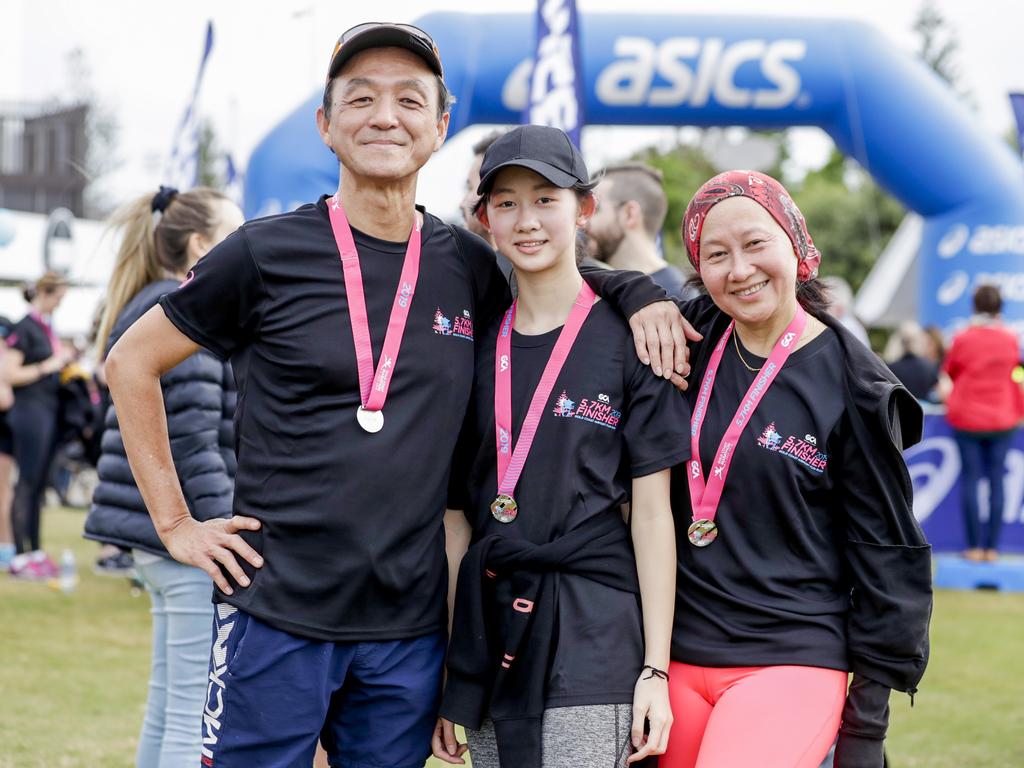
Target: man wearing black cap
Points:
(353, 379)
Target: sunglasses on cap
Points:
(348, 34)
(381, 33)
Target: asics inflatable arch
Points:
(880, 106)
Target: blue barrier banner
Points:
(556, 80)
(934, 466)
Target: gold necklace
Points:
(740, 354)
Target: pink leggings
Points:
(741, 717)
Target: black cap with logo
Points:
(377, 34)
(540, 148)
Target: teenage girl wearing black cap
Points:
(566, 424)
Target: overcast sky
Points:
(269, 56)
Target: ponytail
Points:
(136, 264)
(154, 245)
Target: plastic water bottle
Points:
(68, 579)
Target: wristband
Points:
(654, 672)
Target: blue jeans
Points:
(982, 455)
(182, 611)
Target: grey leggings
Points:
(594, 736)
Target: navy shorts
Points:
(272, 694)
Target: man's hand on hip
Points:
(214, 544)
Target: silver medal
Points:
(370, 421)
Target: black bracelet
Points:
(655, 672)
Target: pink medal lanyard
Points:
(511, 460)
(704, 500)
(373, 385)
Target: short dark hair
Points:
(642, 183)
(485, 143)
(445, 98)
(987, 300)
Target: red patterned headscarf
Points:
(771, 196)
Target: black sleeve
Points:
(865, 721)
(24, 339)
(462, 463)
(220, 304)
(489, 285)
(656, 419)
(886, 553)
(626, 290)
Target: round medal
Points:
(370, 421)
(702, 532)
(504, 508)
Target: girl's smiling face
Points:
(533, 222)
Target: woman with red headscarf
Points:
(799, 557)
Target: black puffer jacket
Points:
(199, 398)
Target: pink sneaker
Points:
(29, 568)
(46, 564)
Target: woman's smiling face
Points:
(747, 263)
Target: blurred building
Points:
(42, 225)
(42, 156)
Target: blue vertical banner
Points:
(556, 82)
(183, 166)
(1017, 102)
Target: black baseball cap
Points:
(381, 34)
(544, 150)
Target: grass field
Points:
(73, 674)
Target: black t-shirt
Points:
(30, 338)
(609, 419)
(352, 533)
(773, 588)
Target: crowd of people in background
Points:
(215, 480)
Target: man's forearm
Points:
(139, 403)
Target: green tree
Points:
(211, 171)
(938, 46)
(684, 169)
(101, 132)
(849, 223)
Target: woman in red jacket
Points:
(984, 408)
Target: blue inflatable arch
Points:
(881, 107)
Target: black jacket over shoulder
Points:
(888, 566)
(199, 399)
(886, 559)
